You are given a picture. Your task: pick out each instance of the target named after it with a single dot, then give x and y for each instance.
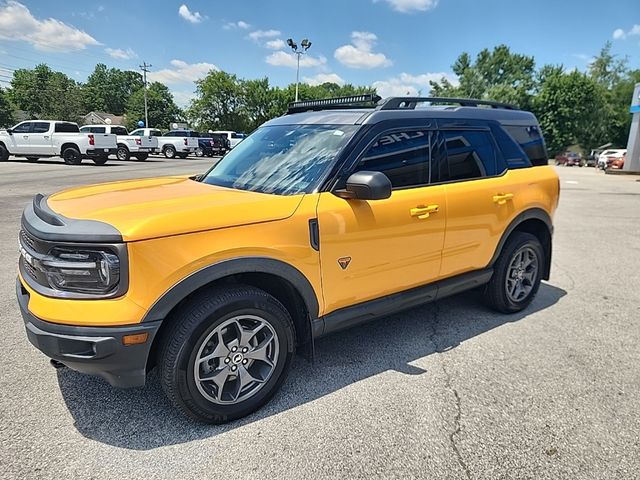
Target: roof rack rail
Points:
(397, 103)
(363, 100)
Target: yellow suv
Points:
(341, 211)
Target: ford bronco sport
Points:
(339, 212)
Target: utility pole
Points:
(145, 68)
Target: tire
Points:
(4, 153)
(198, 323)
(101, 160)
(123, 153)
(71, 156)
(169, 151)
(502, 291)
(141, 157)
(33, 159)
(182, 155)
(199, 152)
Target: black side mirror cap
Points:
(366, 185)
(9, 131)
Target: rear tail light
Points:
(138, 141)
(185, 140)
(92, 140)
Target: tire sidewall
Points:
(76, 159)
(186, 357)
(522, 240)
(169, 152)
(123, 153)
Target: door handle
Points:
(424, 212)
(46, 136)
(25, 136)
(502, 198)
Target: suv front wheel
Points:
(226, 353)
(517, 274)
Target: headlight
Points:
(81, 271)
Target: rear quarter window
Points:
(530, 140)
(65, 127)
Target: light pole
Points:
(305, 44)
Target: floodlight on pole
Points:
(305, 44)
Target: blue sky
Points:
(395, 45)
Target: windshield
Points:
(283, 159)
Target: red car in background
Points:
(617, 163)
(569, 159)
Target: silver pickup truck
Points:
(37, 139)
(129, 145)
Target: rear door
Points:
(40, 139)
(480, 197)
(370, 249)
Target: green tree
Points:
(569, 107)
(162, 109)
(43, 93)
(496, 75)
(109, 89)
(607, 69)
(6, 114)
(219, 102)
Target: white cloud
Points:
(321, 78)
(182, 98)
(409, 6)
(412, 85)
(261, 34)
(182, 72)
(120, 54)
(359, 53)
(239, 24)
(17, 23)
(285, 59)
(188, 15)
(619, 33)
(276, 44)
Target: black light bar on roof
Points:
(336, 102)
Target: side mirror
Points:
(9, 131)
(366, 186)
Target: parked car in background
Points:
(569, 159)
(618, 162)
(234, 138)
(138, 146)
(607, 157)
(211, 144)
(37, 139)
(171, 144)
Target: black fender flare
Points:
(530, 214)
(161, 308)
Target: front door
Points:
(19, 139)
(369, 249)
(40, 139)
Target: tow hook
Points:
(57, 365)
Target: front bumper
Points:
(92, 350)
(100, 152)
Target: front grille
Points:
(29, 269)
(27, 239)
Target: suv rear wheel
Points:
(517, 274)
(226, 353)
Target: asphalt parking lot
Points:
(448, 390)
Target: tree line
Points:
(588, 108)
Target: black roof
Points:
(369, 109)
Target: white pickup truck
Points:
(129, 145)
(36, 139)
(170, 144)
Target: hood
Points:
(159, 207)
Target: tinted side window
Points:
(402, 156)
(66, 128)
(22, 128)
(40, 127)
(156, 133)
(118, 131)
(470, 154)
(531, 141)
